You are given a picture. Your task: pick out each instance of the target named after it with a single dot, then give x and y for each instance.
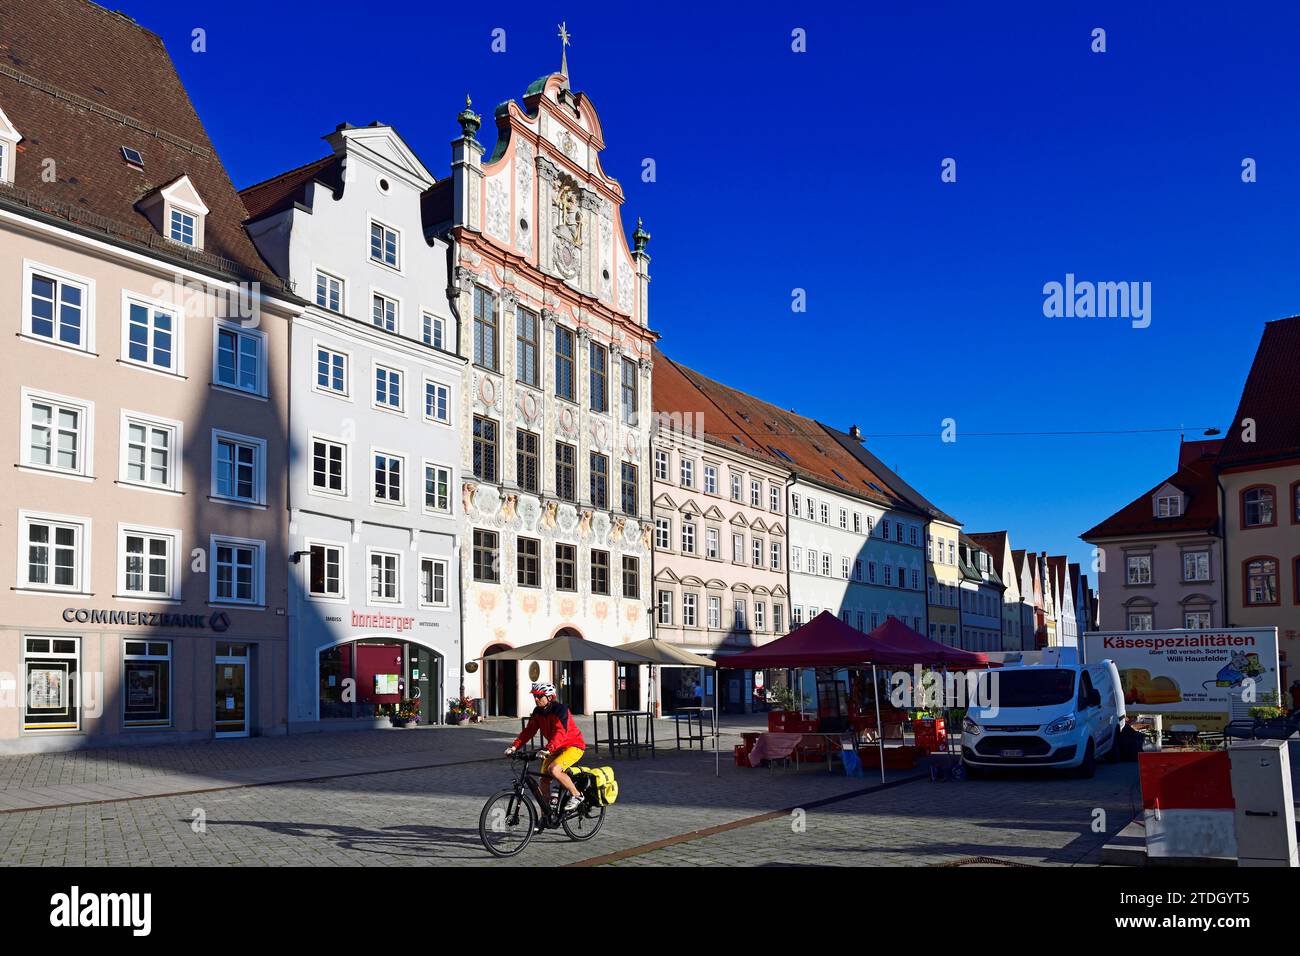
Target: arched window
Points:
(1257, 507)
(1260, 581)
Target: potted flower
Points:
(460, 710)
(407, 712)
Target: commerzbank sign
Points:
(216, 621)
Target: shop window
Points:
(52, 668)
(146, 683)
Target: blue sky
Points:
(820, 170)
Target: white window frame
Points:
(429, 323)
(403, 485)
(662, 464)
(714, 611)
(60, 276)
(397, 304)
(173, 538)
(178, 215)
(663, 533)
(312, 487)
(399, 239)
(317, 274)
(240, 332)
(258, 548)
(178, 333)
(710, 479)
(400, 408)
(435, 560)
(342, 596)
(371, 554)
(318, 347)
(85, 434)
(425, 400)
(83, 552)
(259, 469)
(424, 480)
(175, 469)
(686, 472)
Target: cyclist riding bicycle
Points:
(564, 743)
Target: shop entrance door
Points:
(424, 682)
(571, 685)
(629, 686)
(232, 682)
(502, 685)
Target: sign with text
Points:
(1201, 678)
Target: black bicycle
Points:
(512, 816)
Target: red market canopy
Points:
(899, 644)
(826, 641)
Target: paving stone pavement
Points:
(430, 816)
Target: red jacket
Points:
(557, 726)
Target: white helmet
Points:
(543, 690)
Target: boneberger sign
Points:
(387, 622)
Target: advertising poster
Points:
(1200, 678)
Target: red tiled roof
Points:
(1200, 508)
(1271, 397)
(279, 192)
(79, 83)
(994, 542)
(797, 443)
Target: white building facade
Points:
(374, 468)
(857, 559)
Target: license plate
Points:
(1013, 753)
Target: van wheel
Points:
(1088, 768)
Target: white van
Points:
(1044, 715)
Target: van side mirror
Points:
(1094, 698)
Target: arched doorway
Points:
(570, 679)
(500, 685)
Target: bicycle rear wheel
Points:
(507, 822)
(583, 823)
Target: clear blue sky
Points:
(820, 171)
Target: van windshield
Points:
(1034, 687)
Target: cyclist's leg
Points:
(559, 765)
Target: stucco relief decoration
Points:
(632, 613)
(602, 610)
(630, 444)
(568, 421)
(645, 538)
(529, 511)
(600, 434)
(509, 508)
(488, 500)
(528, 406)
(635, 534)
(625, 287)
(567, 607)
(568, 227)
(620, 526)
(568, 518)
(584, 525)
(568, 143)
(600, 524)
(498, 207)
(523, 194)
(487, 391)
(550, 516)
(529, 604)
(487, 601)
(467, 496)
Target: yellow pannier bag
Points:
(599, 783)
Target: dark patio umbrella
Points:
(569, 648)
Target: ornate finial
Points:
(469, 120)
(640, 237)
(564, 50)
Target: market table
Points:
(774, 745)
(692, 716)
(629, 736)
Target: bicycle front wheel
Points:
(583, 823)
(507, 822)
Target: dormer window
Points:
(182, 227)
(1169, 506)
(9, 138)
(177, 212)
